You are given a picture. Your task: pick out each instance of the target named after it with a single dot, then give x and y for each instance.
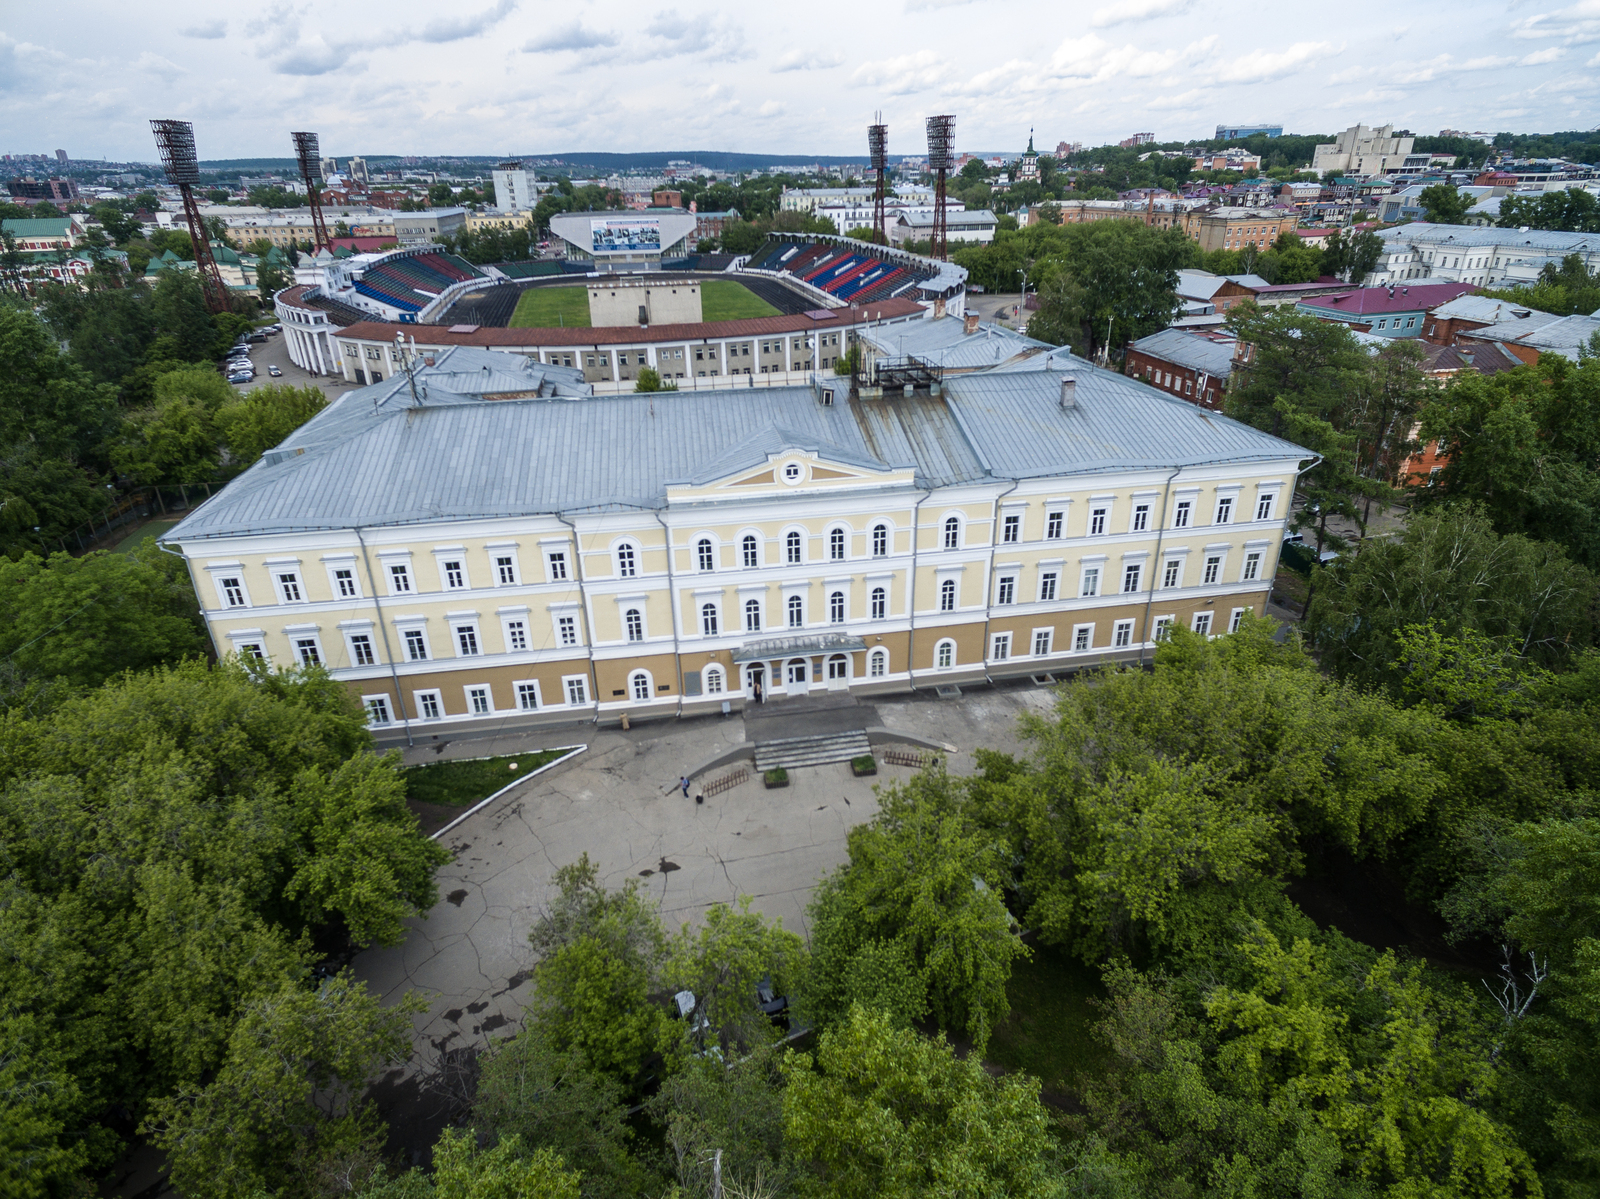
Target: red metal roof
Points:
(443, 335)
(1377, 301)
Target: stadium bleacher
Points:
(850, 272)
(411, 282)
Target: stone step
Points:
(791, 753)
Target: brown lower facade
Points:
(604, 689)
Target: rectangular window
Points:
(1006, 592)
(399, 579)
(361, 650)
(345, 582)
(1047, 586)
(252, 649)
(558, 565)
(1213, 569)
(1163, 628)
(1225, 510)
(516, 636)
(527, 696)
(289, 585)
(1180, 518)
(1252, 566)
(1130, 577)
(416, 646)
(505, 569)
(377, 709)
(577, 690)
(1122, 634)
(1172, 572)
(428, 706)
(1097, 521)
(478, 701)
(306, 650)
(1041, 641)
(1082, 637)
(1264, 507)
(455, 578)
(567, 630)
(1013, 529)
(1091, 580)
(467, 640)
(1001, 647)
(232, 592)
(1141, 517)
(1052, 525)
(1202, 623)
(1236, 620)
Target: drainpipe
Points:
(383, 629)
(179, 554)
(988, 605)
(911, 590)
(672, 599)
(1155, 562)
(583, 610)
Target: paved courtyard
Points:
(620, 803)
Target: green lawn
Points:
(154, 528)
(1047, 1033)
(552, 307)
(725, 300)
(462, 784)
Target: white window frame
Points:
(1121, 634)
(791, 604)
(418, 626)
(1135, 523)
(1204, 617)
(878, 603)
(1236, 618)
(470, 625)
(1182, 514)
(710, 673)
(221, 580)
(254, 640)
(1011, 528)
(1132, 572)
(497, 552)
(888, 538)
(760, 615)
(708, 543)
(637, 609)
(710, 613)
(519, 689)
(1084, 633)
(877, 663)
(1223, 514)
(556, 627)
(365, 631)
(421, 699)
(1055, 524)
(1044, 636)
(555, 565)
(1267, 499)
(297, 581)
(1099, 520)
(634, 676)
(488, 698)
(1091, 579)
(391, 577)
(952, 538)
(942, 648)
(441, 561)
(838, 612)
(1049, 586)
(507, 620)
(749, 547)
(297, 637)
(1005, 590)
(950, 594)
(625, 553)
(575, 684)
(1000, 647)
(794, 546)
(373, 704)
(1159, 626)
(839, 538)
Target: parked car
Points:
(241, 378)
(274, 372)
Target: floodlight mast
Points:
(175, 143)
(941, 134)
(309, 155)
(878, 149)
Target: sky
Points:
(536, 77)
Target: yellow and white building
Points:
(498, 548)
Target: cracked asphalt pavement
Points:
(619, 802)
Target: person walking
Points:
(685, 783)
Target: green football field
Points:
(725, 300)
(552, 307)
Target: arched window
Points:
(713, 680)
(944, 655)
(639, 684)
(880, 541)
(836, 545)
(708, 619)
(836, 608)
(838, 667)
(947, 596)
(752, 555)
(707, 557)
(791, 546)
(752, 616)
(635, 623)
(880, 603)
(797, 612)
(952, 533)
(878, 663)
(626, 564)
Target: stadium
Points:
(625, 296)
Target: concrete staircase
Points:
(819, 750)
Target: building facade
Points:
(1194, 365)
(494, 556)
(1236, 228)
(1485, 257)
(1363, 151)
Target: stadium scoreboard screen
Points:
(625, 235)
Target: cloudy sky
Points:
(530, 76)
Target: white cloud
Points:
(1351, 74)
(454, 29)
(1540, 57)
(315, 57)
(1136, 10)
(808, 60)
(1092, 59)
(1261, 65)
(902, 75)
(703, 34)
(209, 30)
(771, 109)
(1486, 63)
(1579, 23)
(928, 5)
(1186, 99)
(569, 37)
(157, 65)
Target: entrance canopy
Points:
(788, 647)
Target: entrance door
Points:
(838, 673)
(798, 676)
(755, 683)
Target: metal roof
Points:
(1193, 350)
(1475, 236)
(1492, 311)
(944, 342)
(1563, 336)
(375, 458)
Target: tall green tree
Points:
(1444, 205)
(264, 417)
(1568, 210)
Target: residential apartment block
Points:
(1236, 228)
(478, 554)
(1363, 151)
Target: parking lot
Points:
(275, 352)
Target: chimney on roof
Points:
(969, 323)
(1069, 392)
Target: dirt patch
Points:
(432, 816)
